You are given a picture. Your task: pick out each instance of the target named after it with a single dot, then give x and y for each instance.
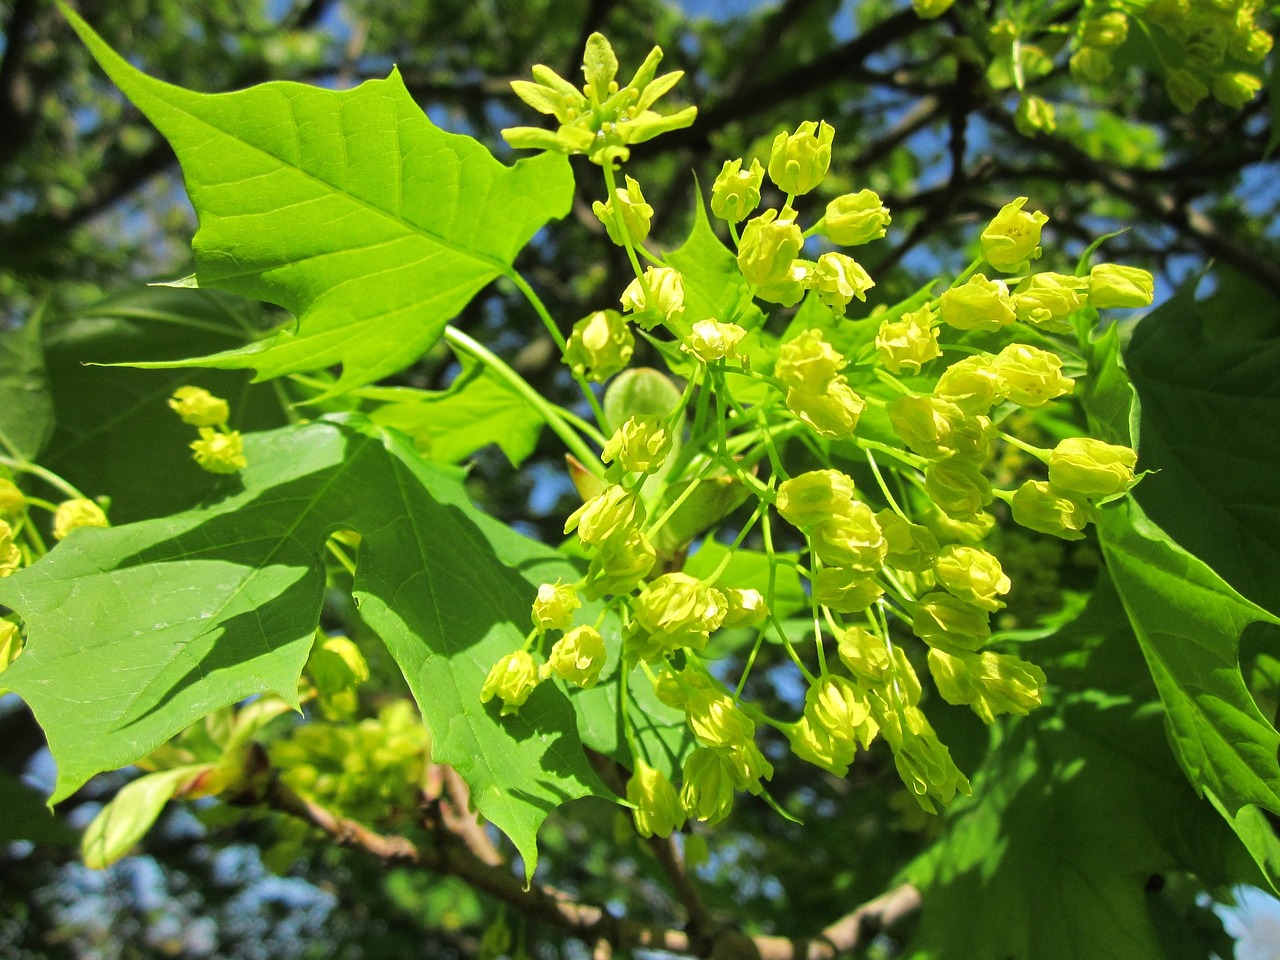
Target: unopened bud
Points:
(768, 245)
(716, 720)
(1032, 377)
(851, 538)
(972, 575)
(1091, 468)
(217, 452)
(639, 445)
(1113, 285)
(977, 304)
(658, 811)
(807, 362)
(746, 608)
(1038, 505)
(12, 501)
(838, 279)
(973, 384)
(937, 428)
(512, 679)
(855, 218)
(798, 161)
(554, 605)
(73, 514)
(1185, 89)
(198, 407)
(620, 564)
(636, 214)
(1046, 299)
(941, 619)
(814, 497)
(907, 344)
(600, 345)
(666, 286)
(605, 515)
(911, 546)
(577, 657)
(680, 611)
(707, 791)
(845, 589)
(865, 653)
(736, 192)
(1236, 90)
(832, 412)
(958, 487)
(711, 340)
(1013, 237)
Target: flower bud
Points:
(600, 345)
(72, 514)
(1090, 65)
(977, 304)
(716, 720)
(845, 590)
(958, 487)
(991, 683)
(619, 564)
(636, 214)
(973, 384)
(937, 428)
(1091, 468)
(865, 654)
(1105, 30)
(605, 515)
(11, 645)
(674, 689)
(657, 810)
(639, 445)
(680, 611)
(667, 288)
(925, 765)
(1032, 377)
(941, 619)
(768, 246)
(711, 340)
(911, 546)
(12, 501)
(855, 218)
(198, 407)
(746, 608)
(811, 498)
(1046, 299)
(1013, 237)
(577, 657)
(511, 679)
(1112, 285)
(1236, 89)
(807, 362)
(908, 343)
(814, 743)
(554, 605)
(832, 412)
(748, 766)
(838, 279)
(1041, 506)
(799, 161)
(837, 705)
(851, 538)
(217, 452)
(1185, 89)
(736, 192)
(10, 555)
(790, 290)
(1034, 115)
(707, 792)
(972, 575)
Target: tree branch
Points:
(589, 923)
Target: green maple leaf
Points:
(134, 632)
(1075, 810)
(349, 208)
(1188, 621)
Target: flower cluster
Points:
(219, 449)
(898, 577)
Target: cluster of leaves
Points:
(374, 229)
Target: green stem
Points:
(1038, 452)
(884, 487)
(549, 412)
(48, 476)
(544, 314)
(968, 272)
(623, 232)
